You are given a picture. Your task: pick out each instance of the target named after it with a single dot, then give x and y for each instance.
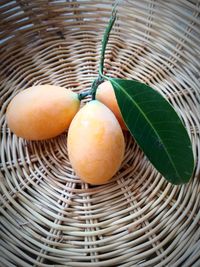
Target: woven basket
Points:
(48, 216)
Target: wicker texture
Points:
(48, 216)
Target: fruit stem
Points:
(84, 94)
(92, 91)
(95, 85)
(106, 38)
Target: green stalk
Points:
(105, 41)
(84, 94)
(95, 85)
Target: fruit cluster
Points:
(95, 139)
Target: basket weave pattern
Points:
(48, 216)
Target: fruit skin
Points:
(95, 143)
(106, 95)
(41, 112)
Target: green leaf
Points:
(157, 129)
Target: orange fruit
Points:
(95, 143)
(41, 112)
(106, 95)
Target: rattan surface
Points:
(48, 216)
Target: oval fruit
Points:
(41, 112)
(95, 143)
(106, 95)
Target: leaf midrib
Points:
(138, 107)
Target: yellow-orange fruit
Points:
(41, 112)
(95, 143)
(106, 95)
